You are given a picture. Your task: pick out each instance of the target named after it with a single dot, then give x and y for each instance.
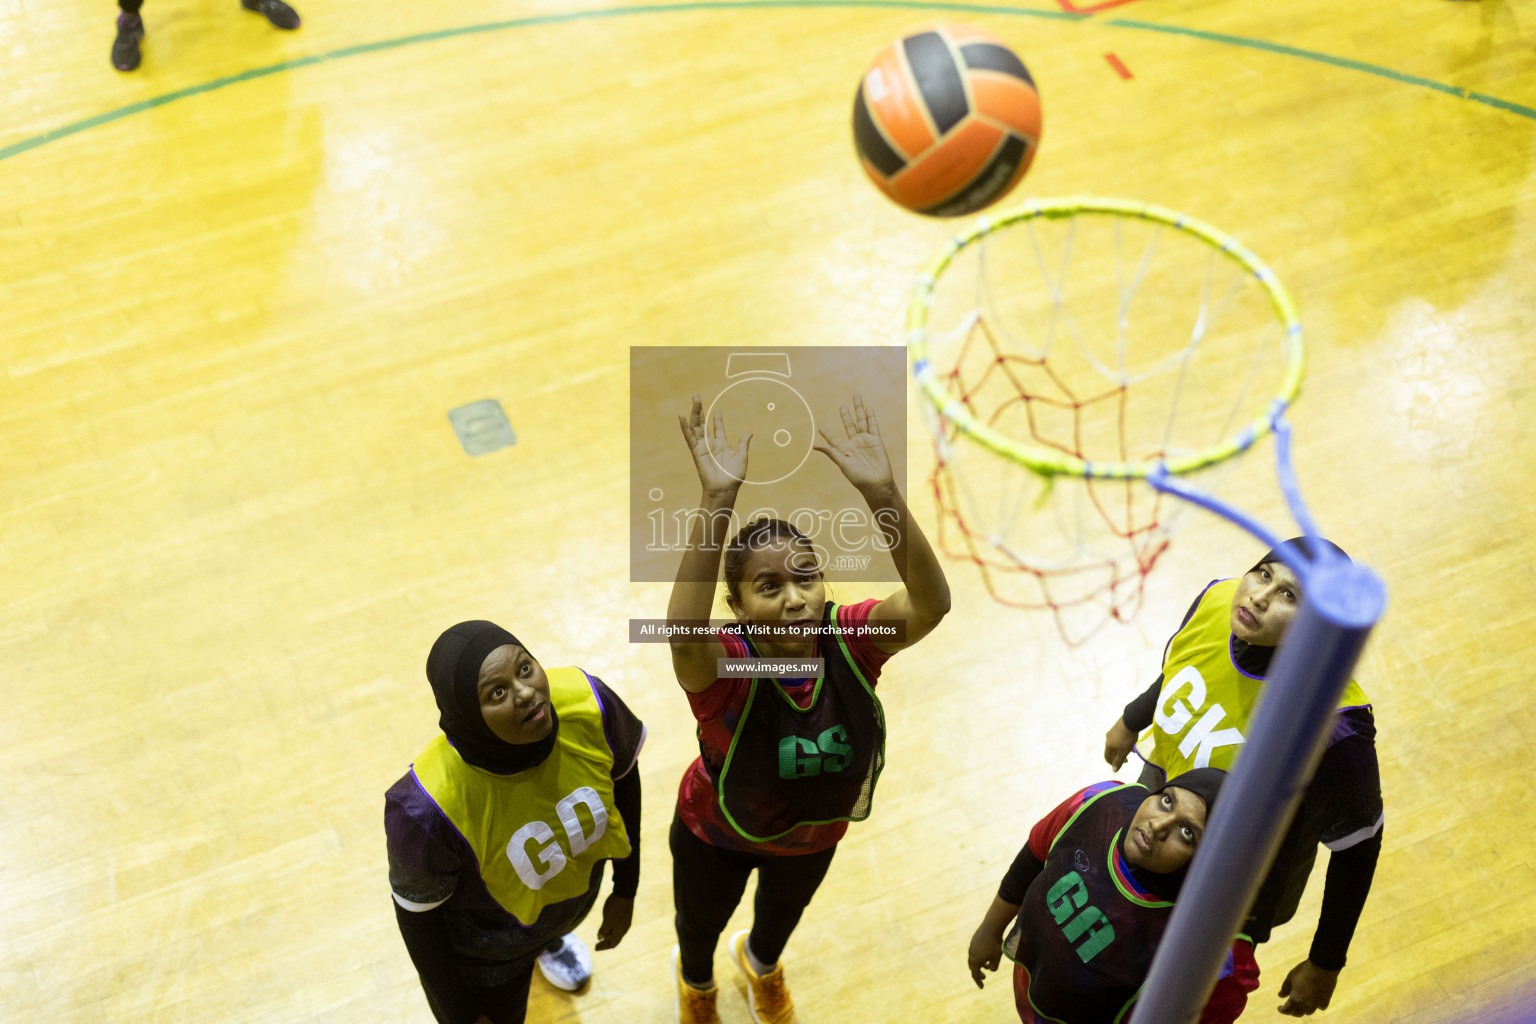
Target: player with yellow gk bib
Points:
(1196, 714)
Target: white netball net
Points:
(1093, 337)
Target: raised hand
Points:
(721, 468)
(861, 457)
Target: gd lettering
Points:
(548, 854)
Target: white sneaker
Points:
(569, 967)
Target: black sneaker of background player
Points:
(125, 48)
(275, 11)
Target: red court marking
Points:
(1072, 8)
(1120, 69)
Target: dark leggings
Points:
(131, 6)
(707, 884)
(506, 1003)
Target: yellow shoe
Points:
(767, 996)
(694, 1005)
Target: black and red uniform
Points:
(1089, 921)
(783, 767)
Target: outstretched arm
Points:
(924, 600)
(721, 469)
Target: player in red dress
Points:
(785, 763)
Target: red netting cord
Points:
(1115, 583)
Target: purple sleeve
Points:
(1343, 801)
(427, 942)
(425, 852)
(624, 732)
(625, 735)
(626, 797)
(1343, 805)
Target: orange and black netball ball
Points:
(946, 120)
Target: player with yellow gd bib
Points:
(498, 834)
(1196, 715)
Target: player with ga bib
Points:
(1086, 901)
(784, 762)
(498, 834)
(1196, 714)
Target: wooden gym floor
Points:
(243, 286)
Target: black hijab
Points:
(1252, 658)
(1205, 783)
(453, 669)
(1297, 551)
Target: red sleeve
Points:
(866, 655)
(1239, 976)
(712, 701)
(1049, 827)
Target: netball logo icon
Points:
(760, 401)
(792, 414)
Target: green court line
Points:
(615, 12)
(1323, 58)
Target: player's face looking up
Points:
(781, 585)
(1265, 603)
(1165, 830)
(514, 695)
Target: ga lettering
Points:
(1064, 898)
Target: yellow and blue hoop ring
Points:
(1048, 462)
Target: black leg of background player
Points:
(130, 30)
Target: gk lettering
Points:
(1174, 714)
(800, 757)
(548, 859)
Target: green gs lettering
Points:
(801, 757)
